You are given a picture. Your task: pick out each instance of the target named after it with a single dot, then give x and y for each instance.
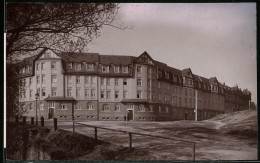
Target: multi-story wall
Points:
(89, 86)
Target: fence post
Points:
(55, 124)
(73, 127)
(24, 119)
(95, 133)
(32, 120)
(130, 140)
(193, 151)
(42, 121)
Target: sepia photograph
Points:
(130, 81)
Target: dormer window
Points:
(167, 75)
(116, 69)
(125, 69)
(23, 70)
(90, 66)
(78, 66)
(105, 69)
(69, 65)
(160, 73)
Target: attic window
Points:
(69, 65)
(90, 66)
(78, 66)
(167, 75)
(105, 69)
(125, 69)
(116, 69)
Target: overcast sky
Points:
(211, 39)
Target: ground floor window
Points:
(117, 107)
(90, 106)
(141, 108)
(63, 106)
(105, 107)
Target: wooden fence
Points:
(134, 133)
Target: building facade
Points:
(90, 86)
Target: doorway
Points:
(51, 113)
(186, 116)
(130, 115)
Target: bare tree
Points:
(57, 26)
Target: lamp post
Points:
(36, 97)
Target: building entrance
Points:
(130, 115)
(51, 113)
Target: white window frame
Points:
(77, 66)
(69, 94)
(116, 69)
(53, 65)
(140, 95)
(78, 79)
(53, 92)
(139, 81)
(54, 80)
(90, 106)
(105, 69)
(139, 69)
(63, 106)
(125, 69)
(117, 108)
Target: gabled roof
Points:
(116, 60)
(142, 56)
(212, 79)
(185, 71)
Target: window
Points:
(93, 93)
(105, 107)
(30, 94)
(116, 81)
(159, 84)
(53, 65)
(148, 82)
(108, 94)
(105, 69)
(30, 81)
(102, 94)
(87, 92)
(78, 92)
(148, 95)
(139, 81)
(116, 94)
(30, 107)
(116, 69)
(54, 91)
(43, 66)
(90, 66)
(117, 107)
(41, 106)
(69, 79)
(38, 66)
(149, 70)
(131, 106)
(160, 109)
(138, 69)
(125, 94)
(167, 75)
(43, 91)
(63, 106)
(53, 78)
(125, 69)
(124, 81)
(51, 104)
(69, 65)
(90, 106)
(139, 94)
(160, 96)
(165, 99)
(78, 106)
(24, 94)
(93, 79)
(150, 109)
(77, 79)
(69, 92)
(43, 78)
(102, 81)
(87, 79)
(167, 110)
(108, 81)
(38, 91)
(141, 108)
(78, 66)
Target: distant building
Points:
(90, 86)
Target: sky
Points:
(214, 40)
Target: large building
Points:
(90, 86)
